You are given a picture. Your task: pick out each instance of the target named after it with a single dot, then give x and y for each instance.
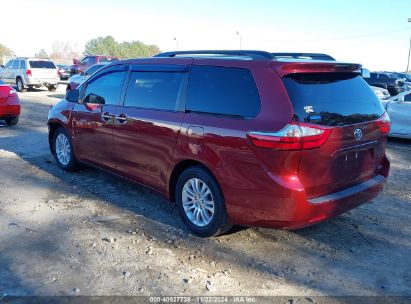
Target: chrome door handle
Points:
(105, 116)
(122, 118)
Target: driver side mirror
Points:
(94, 99)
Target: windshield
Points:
(332, 99)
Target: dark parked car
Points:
(63, 71)
(9, 104)
(389, 81)
(233, 137)
(83, 64)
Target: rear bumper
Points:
(41, 81)
(10, 108)
(291, 209)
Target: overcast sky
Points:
(374, 33)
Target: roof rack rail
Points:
(249, 53)
(314, 56)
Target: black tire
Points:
(19, 85)
(11, 121)
(52, 88)
(72, 164)
(219, 223)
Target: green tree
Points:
(110, 47)
(5, 51)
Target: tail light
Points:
(384, 123)
(12, 92)
(295, 136)
(28, 72)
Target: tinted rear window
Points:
(223, 91)
(332, 99)
(41, 64)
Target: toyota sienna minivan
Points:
(233, 137)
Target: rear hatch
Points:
(42, 69)
(351, 121)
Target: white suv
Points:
(30, 72)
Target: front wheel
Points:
(63, 150)
(201, 203)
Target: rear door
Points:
(42, 69)
(147, 127)
(344, 104)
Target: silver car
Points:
(399, 110)
(30, 72)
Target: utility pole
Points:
(175, 39)
(241, 39)
(409, 51)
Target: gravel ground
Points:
(90, 233)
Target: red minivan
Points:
(233, 137)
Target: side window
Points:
(224, 91)
(407, 98)
(105, 89)
(153, 90)
(383, 76)
(23, 64)
(9, 64)
(373, 75)
(15, 64)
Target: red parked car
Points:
(9, 104)
(233, 137)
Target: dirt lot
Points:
(89, 233)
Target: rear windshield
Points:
(41, 64)
(332, 99)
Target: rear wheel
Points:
(63, 150)
(11, 121)
(20, 85)
(201, 203)
(52, 88)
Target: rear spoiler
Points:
(285, 68)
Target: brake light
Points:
(28, 72)
(12, 92)
(384, 123)
(295, 136)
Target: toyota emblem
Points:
(357, 134)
